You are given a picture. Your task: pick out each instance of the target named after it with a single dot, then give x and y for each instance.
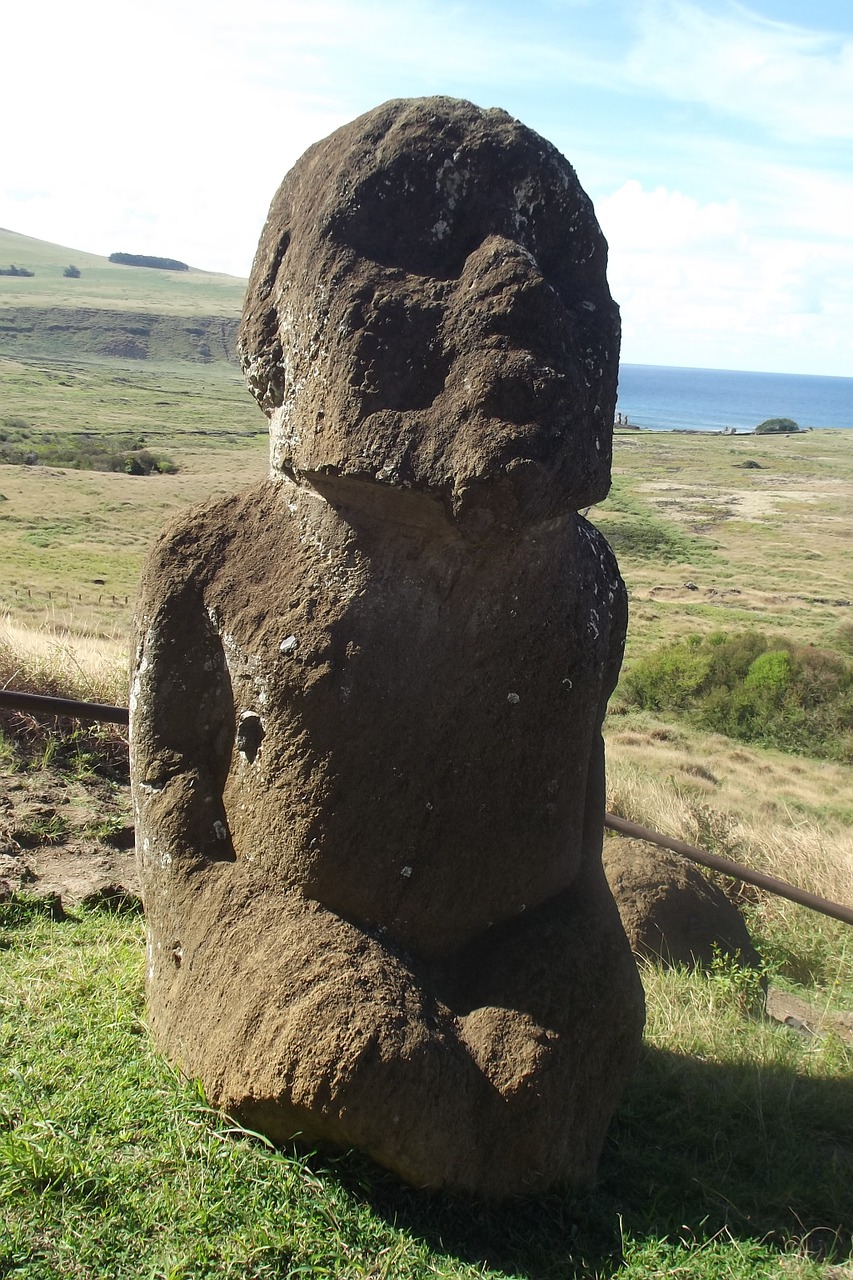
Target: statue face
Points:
(436, 314)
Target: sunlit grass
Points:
(61, 659)
(791, 817)
(729, 1157)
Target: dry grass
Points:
(788, 815)
(63, 659)
(768, 546)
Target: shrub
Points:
(670, 679)
(145, 260)
(12, 270)
(72, 273)
(771, 425)
(770, 673)
(844, 638)
(142, 462)
(793, 697)
(84, 451)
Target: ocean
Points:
(670, 399)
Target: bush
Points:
(144, 463)
(144, 260)
(72, 273)
(12, 270)
(84, 451)
(793, 697)
(771, 425)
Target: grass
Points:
(790, 817)
(105, 286)
(87, 450)
(637, 532)
(768, 546)
(72, 542)
(730, 1155)
(55, 661)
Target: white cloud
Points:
(795, 82)
(166, 126)
(650, 221)
(698, 284)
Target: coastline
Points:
(720, 401)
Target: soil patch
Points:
(66, 837)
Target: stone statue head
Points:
(428, 310)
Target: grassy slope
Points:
(766, 546)
(105, 286)
(731, 1155)
(61, 530)
(72, 542)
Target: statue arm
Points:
(182, 717)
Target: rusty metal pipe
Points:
(728, 868)
(42, 705)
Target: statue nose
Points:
(500, 246)
(502, 260)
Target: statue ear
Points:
(259, 345)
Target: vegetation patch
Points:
(753, 687)
(772, 426)
(646, 538)
(635, 532)
(21, 445)
(145, 260)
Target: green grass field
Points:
(72, 541)
(104, 286)
(732, 1153)
(730, 1156)
(763, 545)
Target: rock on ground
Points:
(671, 911)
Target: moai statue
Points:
(367, 703)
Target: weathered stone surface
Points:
(365, 717)
(672, 913)
(428, 307)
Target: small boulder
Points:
(671, 912)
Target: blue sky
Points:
(713, 137)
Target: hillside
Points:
(111, 310)
(732, 1154)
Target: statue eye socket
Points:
(428, 220)
(398, 220)
(250, 735)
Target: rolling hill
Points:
(135, 313)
